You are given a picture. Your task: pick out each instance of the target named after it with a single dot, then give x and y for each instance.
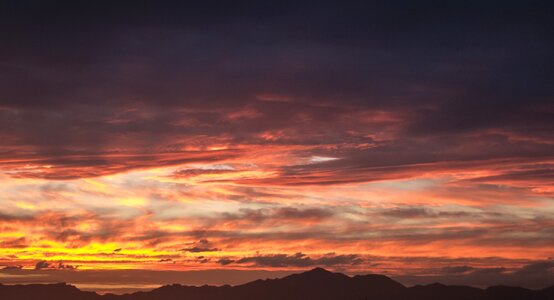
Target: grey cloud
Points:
(300, 260)
(541, 267)
(225, 261)
(42, 265)
(18, 267)
(14, 243)
(202, 245)
(457, 269)
(280, 213)
(535, 275)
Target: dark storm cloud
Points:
(287, 41)
(102, 77)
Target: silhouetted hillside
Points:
(317, 284)
(58, 291)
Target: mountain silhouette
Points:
(316, 284)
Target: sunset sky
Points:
(412, 139)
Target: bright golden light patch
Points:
(132, 201)
(26, 205)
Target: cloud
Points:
(536, 275)
(50, 266)
(279, 214)
(14, 243)
(202, 245)
(225, 261)
(19, 267)
(67, 165)
(42, 265)
(409, 212)
(298, 260)
(62, 266)
(457, 269)
(214, 170)
(422, 212)
(541, 267)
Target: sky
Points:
(220, 142)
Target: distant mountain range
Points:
(317, 284)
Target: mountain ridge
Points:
(317, 283)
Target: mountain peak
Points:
(320, 273)
(318, 270)
(317, 275)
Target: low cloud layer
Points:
(534, 275)
(297, 260)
